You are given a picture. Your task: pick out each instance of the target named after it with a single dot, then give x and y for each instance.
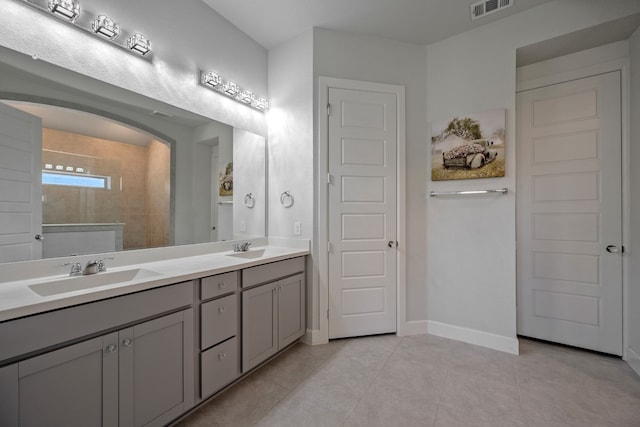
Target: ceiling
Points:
(273, 22)
(80, 122)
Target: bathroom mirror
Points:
(124, 175)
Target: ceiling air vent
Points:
(486, 7)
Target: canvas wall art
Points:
(226, 181)
(468, 146)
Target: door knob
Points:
(392, 244)
(613, 249)
(39, 237)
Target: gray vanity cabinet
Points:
(133, 377)
(153, 372)
(79, 367)
(219, 343)
(273, 314)
(76, 385)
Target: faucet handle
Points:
(101, 265)
(76, 268)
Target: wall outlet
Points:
(297, 228)
(243, 226)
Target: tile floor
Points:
(429, 381)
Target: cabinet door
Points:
(76, 385)
(259, 325)
(291, 310)
(9, 396)
(156, 370)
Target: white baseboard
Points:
(413, 327)
(473, 336)
(313, 337)
(633, 359)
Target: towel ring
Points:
(249, 200)
(286, 199)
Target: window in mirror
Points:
(71, 179)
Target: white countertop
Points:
(17, 299)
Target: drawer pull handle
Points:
(127, 342)
(222, 309)
(222, 285)
(111, 348)
(222, 356)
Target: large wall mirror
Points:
(81, 173)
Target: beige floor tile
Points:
(478, 396)
(449, 417)
(383, 407)
(244, 404)
(430, 381)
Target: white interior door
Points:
(20, 185)
(569, 211)
(362, 212)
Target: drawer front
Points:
(219, 366)
(218, 320)
(220, 284)
(269, 272)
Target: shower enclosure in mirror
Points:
(114, 176)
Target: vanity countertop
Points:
(18, 298)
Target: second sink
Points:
(250, 254)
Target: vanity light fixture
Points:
(261, 104)
(139, 43)
(246, 96)
(213, 80)
(106, 27)
(67, 9)
(231, 88)
(98, 25)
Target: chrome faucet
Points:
(90, 268)
(241, 247)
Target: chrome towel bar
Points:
(467, 192)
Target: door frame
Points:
(563, 69)
(323, 198)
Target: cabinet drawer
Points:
(220, 284)
(270, 272)
(218, 320)
(219, 366)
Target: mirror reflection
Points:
(89, 183)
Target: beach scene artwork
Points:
(468, 146)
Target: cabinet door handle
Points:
(127, 342)
(222, 356)
(222, 285)
(111, 348)
(222, 309)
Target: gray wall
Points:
(633, 303)
(187, 36)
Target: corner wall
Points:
(471, 281)
(633, 251)
(290, 146)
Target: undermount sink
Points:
(250, 254)
(70, 284)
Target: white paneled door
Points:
(569, 210)
(362, 212)
(20, 185)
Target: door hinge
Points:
(328, 109)
(328, 247)
(327, 314)
(328, 178)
